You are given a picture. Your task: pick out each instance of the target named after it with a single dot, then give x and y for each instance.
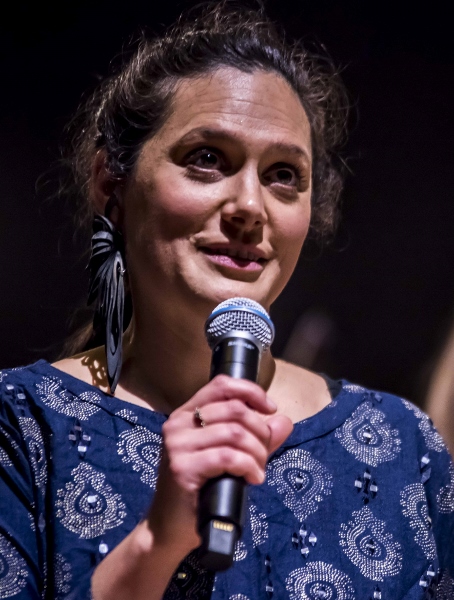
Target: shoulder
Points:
(387, 407)
(29, 378)
(397, 440)
(21, 373)
(15, 383)
(47, 394)
(24, 395)
(386, 421)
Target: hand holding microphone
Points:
(238, 331)
(203, 470)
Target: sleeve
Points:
(23, 473)
(438, 479)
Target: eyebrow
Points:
(291, 149)
(218, 134)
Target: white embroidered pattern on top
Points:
(32, 523)
(5, 459)
(259, 525)
(63, 575)
(142, 448)
(55, 396)
(445, 497)
(319, 580)
(301, 479)
(433, 439)
(414, 502)
(240, 552)
(445, 587)
(368, 436)
(369, 546)
(87, 505)
(127, 415)
(238, 597)
(353, 388)
(35, 443)
(13, 569)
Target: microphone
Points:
(238, 331)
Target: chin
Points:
(220, 295)
(209, 290)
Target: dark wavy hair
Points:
(130, 106)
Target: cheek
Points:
(293, 234)
(164, 210)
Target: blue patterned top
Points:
(358, 503)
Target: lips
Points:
(241, 253)
(238, 258)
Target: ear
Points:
(103, 185)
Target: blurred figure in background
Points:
(440, 397)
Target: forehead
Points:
(258, 107)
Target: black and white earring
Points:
(107, 289)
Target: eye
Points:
(206, 158)
(284, 174)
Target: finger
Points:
(236, 411)
(232, 435)
(213, 462)
(223, 388)
(280, 428)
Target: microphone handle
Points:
(222, 500)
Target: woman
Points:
(209, 155)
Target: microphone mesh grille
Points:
(240, 314)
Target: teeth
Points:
(243, 254)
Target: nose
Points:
(245, 207)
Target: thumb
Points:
(280, 428)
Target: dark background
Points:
(382, 291)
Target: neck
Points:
(164, 366)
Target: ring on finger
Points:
(198, 417)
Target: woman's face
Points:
(218, 204)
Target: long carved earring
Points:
(107, 289)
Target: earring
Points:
(107, 290)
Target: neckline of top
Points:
(343, 403)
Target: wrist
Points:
(140, 567)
